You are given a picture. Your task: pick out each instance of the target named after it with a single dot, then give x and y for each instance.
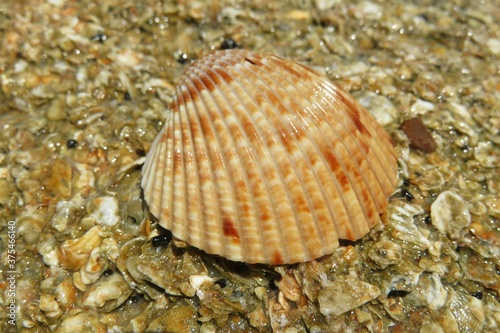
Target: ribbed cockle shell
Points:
(262, 160)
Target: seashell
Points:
(105, 210)
(262, 160)
(341, 296)
(385, 253)
(289, 286)
(144, 266)
(429, 292)
(66, 293)
(94, 267)
(257, 318)
(81, 322)
(468, 312)
(449, 214)
(74, 253)
(177, 319)
(400, 217)
(107, 294)
(49, 305)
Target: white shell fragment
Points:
(341, 296)
(429, 292)
(468, 312)
(385, 253)
(449, 214)
(401, 217)
(106, 210)
(262, 160)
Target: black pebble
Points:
(72, 143)
(221, 282)
(162, 240)
(183, 58)
(99, 37)
(134, 299)
(397, 293)
(228, 43)
(406, 194)
(140, 152)
(107, 272)
(478, 294)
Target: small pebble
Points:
(228, 43)
(72, 143)
(397, 293)
(407, 195)
(182, 58)
(478, 295)
(162, 240)
(221, 282)
(99, 37)
(420, 138)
